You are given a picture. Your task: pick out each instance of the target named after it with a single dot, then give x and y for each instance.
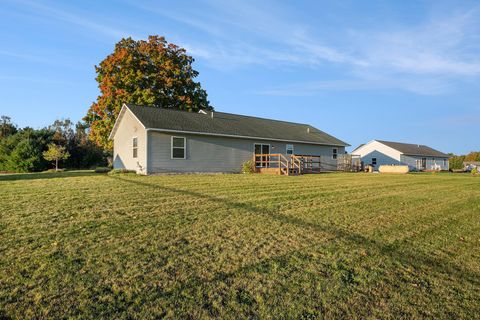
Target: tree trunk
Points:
(56, 165)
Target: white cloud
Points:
(76, 18)
(271, 36)
(40, 80)
(441, 46)
(428, 58)
(429, 86)
(26, 57)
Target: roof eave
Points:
(427, 155)
(117, 121)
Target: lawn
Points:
(84, 245)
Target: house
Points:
(156, 140)
(417, 157)
(470, 165)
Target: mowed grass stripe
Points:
(160, 200)
(248, 246)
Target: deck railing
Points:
(287, 164)
(270, 160)
(299, 164)
(308, 163)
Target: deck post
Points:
(279, 166)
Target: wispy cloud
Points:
(39, 80)
(75, 18)
(424, 86)
(431, 57)
(272, 38)
(442, 45)
(44, 58)
(178, 16)
(427, 58)
(24, 56)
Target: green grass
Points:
(84, 245)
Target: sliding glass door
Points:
(261, 161)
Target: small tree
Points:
(56, 153)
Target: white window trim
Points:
(286, 148)
(334, 154)
(133, 147)
(184, 148)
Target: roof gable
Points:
(227, 124)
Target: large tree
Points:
(152, 72)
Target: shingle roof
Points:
(230, 124)
(414, 149)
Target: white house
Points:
(417, 157)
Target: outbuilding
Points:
(416, 156)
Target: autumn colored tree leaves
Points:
(153, 73)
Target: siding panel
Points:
(215, 154)
(129, 127)
(432, 162)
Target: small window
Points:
(334, 153)
(178, 148)
(135, 147)
(289, 149)
(374, 161)
(444, 162)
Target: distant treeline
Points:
(21, 149)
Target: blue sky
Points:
(361, 70)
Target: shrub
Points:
(121, 171)
(474, 171)
(102, 170)
(22, 152)
(248, 167)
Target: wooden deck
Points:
(276, 163)
(297, 164)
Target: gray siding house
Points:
(161, 140)
(417, 157)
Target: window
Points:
(289, 149)
(135, 147)
(178, 148)
(445, 163)
(334, 153)
(374, 161)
